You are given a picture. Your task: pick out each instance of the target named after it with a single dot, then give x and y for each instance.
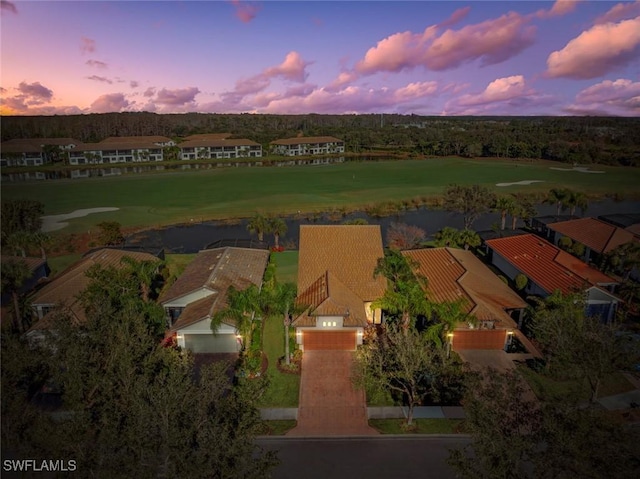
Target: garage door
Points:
(323, 340)
(479, 339)
(210, 343)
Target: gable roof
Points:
(328, 296)
(350, 252)
(305, 140)
(595, 234)
(547, 266)
(208, 136)
(216, 270)
(135, 139)
(63, 289)
(213, 142)
(455, 274)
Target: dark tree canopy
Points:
(21, 216)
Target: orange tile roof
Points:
(135, 139)
(64, 289)
(455, 274)
(350, 252)
(216, 270)
(546, 265)
(328, 296)
(305, 140)
(597, 235)
(217, 142)
(208, 136)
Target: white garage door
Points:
(211, 343)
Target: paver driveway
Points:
(329, 405)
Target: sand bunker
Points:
(523, 182)
(581, 169)
(56, 222)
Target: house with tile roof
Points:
(61, 293)
(597, 236)
(32, 151)
(310, 145)
(201, 291)
(493, 308)
(219, 148)
(336, 285)
(548, 268)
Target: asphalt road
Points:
(392, 457)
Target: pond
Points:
(190, 238)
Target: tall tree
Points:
(110, 233)
(21, 215)
(278, 228)
(404, 236)
(503, 206)
(445, 317)
(471, 201)
(242, 305)
(558, 197)
(14, 273)
(576, 199)
(258, 225)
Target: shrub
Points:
(521, 281)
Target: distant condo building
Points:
(217, 149)
(312, 145)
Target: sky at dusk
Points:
(292, 57)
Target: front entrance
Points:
(329, 340)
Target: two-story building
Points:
(303, 146)
(203, 148)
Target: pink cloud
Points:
(620, 97)
(293, 68)
(562, 7)
(456, 17)
(501, 89)
(100, 79)
(87, 45)
(245, 11)
(621, 11)
(109, 103)
(344, 78)
(96, 63)
(134, 84)
(35, 93)
(149, 92)
(492, 41)
(177, 97)
(597, 51)
(251, 85)
(9, 7)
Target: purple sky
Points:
(422, 57)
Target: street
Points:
(381, 457)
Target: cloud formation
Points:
(134, 84)
(621, 11)
(491, 42)
(293, 68)
(87, 45)
(9, 7)
(597, 51)
(35, 93)
(96, 64)
(177, 97)
(100, 79)
(245, 11)
(619, 97)
(109, 103)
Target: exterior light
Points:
(510, 333)
(449, 335)
(238, 336)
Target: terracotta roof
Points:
(136, 139)
(32, 262)
(64, 289)
(634, 229)
(20, 147)
(305, 140)
(111, 146)
(597, 235)
(328, 296)
(350, 252)
(455, 274)
(217, 142)
(208, 136)
(547, 266)
(216, 270)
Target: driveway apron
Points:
(329, 405)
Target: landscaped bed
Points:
(420, 426)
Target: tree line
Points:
(605, 140)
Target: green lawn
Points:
(286, 266)
(147, 200)
(420, 426)
(278, 428)
(546, 387)
(59, 263)
(283, 388)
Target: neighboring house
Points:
(597, 236)
(336, 284)
(457, 275)
(219, 149)
(312, 145)
(161, 141)
(548, 269)
(39, 271)
(32, 151)
(63, 290)
(201, 291)
(540, 223)
(126, 149)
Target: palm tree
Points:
(14, 273)
(241, 308)
(407, 300)
(145, 272)
(278, 227)
(447, 236)
(447, 315)
(558, 196)
(19, 242)
(503, 205)
(258, 225)
(283, 297)
(469, 238)
(41, 240)
(576, 199)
